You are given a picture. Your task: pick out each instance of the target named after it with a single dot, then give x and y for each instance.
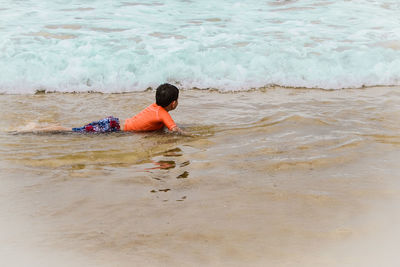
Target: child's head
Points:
(166, 94)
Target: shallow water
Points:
(274, 177)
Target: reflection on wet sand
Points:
(164, 165)
(280, 177)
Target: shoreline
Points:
(222, 91)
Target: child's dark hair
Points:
(165, 94)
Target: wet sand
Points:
(274, 177)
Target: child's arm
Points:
(169, 122)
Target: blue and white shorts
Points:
(109, 124)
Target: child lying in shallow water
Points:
(152, 118)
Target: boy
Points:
(152, 118)
(155, 116)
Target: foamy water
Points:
(115, 46)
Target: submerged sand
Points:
(275, 177)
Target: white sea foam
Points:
(129, 45)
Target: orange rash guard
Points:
(152, 118)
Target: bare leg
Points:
(32, 127)
(54, 129)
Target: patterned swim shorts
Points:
(106, 125)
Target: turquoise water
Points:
(119, 46)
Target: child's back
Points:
(152, 118)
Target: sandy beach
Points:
(271, 177)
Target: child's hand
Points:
(178, 130)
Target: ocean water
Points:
(125, 45)
(290, 174)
